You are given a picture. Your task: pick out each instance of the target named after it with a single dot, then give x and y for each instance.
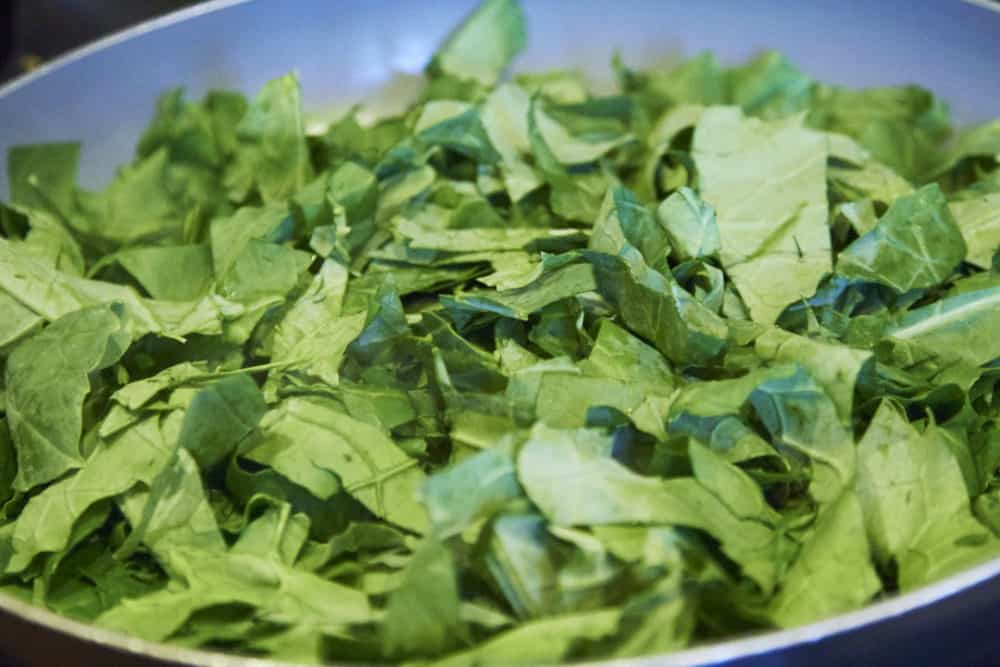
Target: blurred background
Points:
(33, 31)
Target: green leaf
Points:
(699, 80)
(46, 522)
(90, 581)
(219, 416)
(544, 641)
(521, 563)
(8, 463)
(172, 513)
(767, 184)
(608, 493)
(690, 224)
(51, 241)
(470, 491)
(731, 485)
(834, 367)
(463, 133)
(871, 180)
(18, 323)
(277, 532)
(139, 205)
(979, 220)
(658, 309)
(954, 328)
(570, 148)
(915, 244)
(564, 400)
(480, 239)
(504, 115)
(172, 273)
(312, 444)
(47, 380)
(482, 47)
(231, 236)
(769, 86)
(271, 153)
(43, 176)
(624, 221)
(555, 285)
(284, 594)
(619, 355)
(577, 195)
(915, 505)
(422, 616)
(899, 125)
(980, 141)
(799, 414)
(185, 129)
(659, 620)
(833, 573)
(52, 294)
(313, 336)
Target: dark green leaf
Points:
(43, 176)
(915, 244)
(422, 617)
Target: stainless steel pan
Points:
(345, 51)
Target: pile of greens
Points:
(522, 375)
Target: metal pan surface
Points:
(344, 52)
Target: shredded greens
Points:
(523, 375)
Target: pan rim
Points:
(716, 652)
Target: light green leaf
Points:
(624, 221)
(52, 294)
(283, 594)
(767, 184)
(422, 616)
(834, 367)
(799, 414)
(979, 220)
(46, 523)
(312, 444)
(544, 641)
(915, 504)
(658, 309)
(471, 490)
(605, 492)
(172, 513)
(769, 86)
(955, 328)
(271, 150)
(833, 573)
(464, 134)
(172, 273)
(483, 46)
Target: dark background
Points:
(33, 31)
